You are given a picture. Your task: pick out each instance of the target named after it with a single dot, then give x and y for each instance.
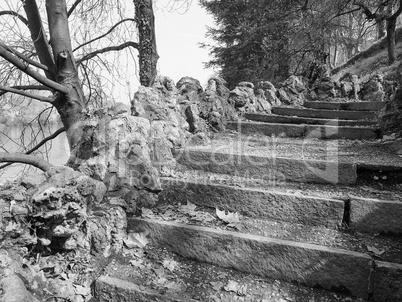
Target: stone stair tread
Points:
(304, 206)
(364, 153)
(274, 118)
(351, 105)
(389, 248)
(305, 263)
(305, 130)
(275, 169)
(329, 191)
(191, 280)
(325, 114)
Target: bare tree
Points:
(61, 47)
(388, 11)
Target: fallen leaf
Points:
(228, 218)
(160, 271)
(147, 213)
(170, 264)
(134, 240)
(188, 208)
(242, 290)
(217, 285)
(202, 217)
(136, 263)
(81, 290)
(231, 286)
(376, 251)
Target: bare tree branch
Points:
(104, 35)
(27, 87)
(40, 144)
(72, 8)
(26, 159)
(25, 58)
(15, 14)
(38, 36)
(107, 49)
(31, 72)
(27, 94)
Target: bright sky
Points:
(177, 36)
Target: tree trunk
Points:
(381, 29)
(391, 26)
(70, 105)
(147, 41)
(336, 52)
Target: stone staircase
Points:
(320, 199)
(350, 120)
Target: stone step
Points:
(367, 215)
(283, 119)
(310, 131)
(326, 114)
(257, 203)
(191, 280)
(110, 289)
(276, 169)
(356, 106)
(305, 263)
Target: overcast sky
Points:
(177, 36)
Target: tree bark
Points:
(381, 29)
(391, 26)
(26, 159)
(148, 56)
(69, 105)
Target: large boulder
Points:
(190, 95)
(291, 91)
(214, 107)
(270, 93)
(242, 97)
(373, 90)
(349, 86)
(158, 104)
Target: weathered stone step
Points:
(326, 114)
(365, 215)
(310, 131)
(188, 279)
(110, 289)
(309, 264)
(272, 118)
(356, 106)
(276, 169)
(296, 208)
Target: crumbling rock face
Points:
(391, 115)
(269, 94)
(63, 212)
(349, 86)
(190, 96)
(373, 90)
(291, 91)
(214, 107)
(242, 97)
(68, 211)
